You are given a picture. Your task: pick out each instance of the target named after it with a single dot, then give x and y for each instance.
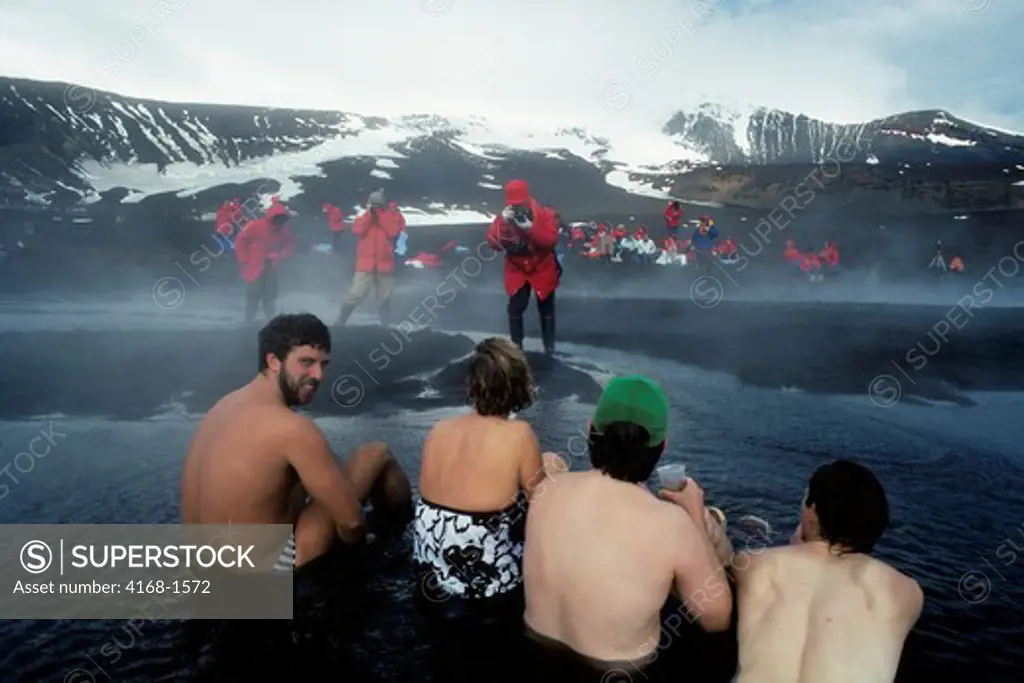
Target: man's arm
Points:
(361, 224)
(494, 236)
(532, 473)
(310, 455)
(699, 579)
(909, 602)
(392, 226)
(242, 244)
(544, 233)
(288, 242)
(719, 539)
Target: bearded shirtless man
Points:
(254, 460)
(822, 610)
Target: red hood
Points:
(277, 209)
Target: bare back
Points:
(237, 469)
(807, 615)
(601, 558)
(476, 463)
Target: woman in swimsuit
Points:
(477, 474)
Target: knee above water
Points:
(374, 449)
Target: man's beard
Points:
(291, 387)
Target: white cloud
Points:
(544, 60)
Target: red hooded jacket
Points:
(376, 229)
(791, 254)
(335, 217)
(259, 241)
(725, 247)
(428, 259)
(228, 215)
(830, 255)
(673, 216)
(393, 205)
(538, 267)
(809, 262)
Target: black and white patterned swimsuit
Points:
(468, 554)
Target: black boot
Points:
(547, 334)
(515, 330)
(346, 313)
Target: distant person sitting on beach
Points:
(822, 609)
(603, 554)
(253, 460)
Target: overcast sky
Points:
(561, 61)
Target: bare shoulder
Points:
(286, 427)
(518, 437)
(440, 428)
(520, 428)
(673, 520)
(522, 432)
(906, 592)
(746, 561)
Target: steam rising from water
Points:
(849, 287)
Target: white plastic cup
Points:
(672, 477)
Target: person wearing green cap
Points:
(602, 554)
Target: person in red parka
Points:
(673, 218)
(260, 248)
(528, 235)
(336, 223)
(376, 228)
(810, 264)
(791, 255)
(225, 223)
(222, 222)
(830, 256)
(393, 206)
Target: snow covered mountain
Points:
(768, 136)
(63, 146)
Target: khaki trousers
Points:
(362, 283)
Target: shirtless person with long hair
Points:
(254, 460)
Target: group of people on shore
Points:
(702, 248)
(620, 244)
(262, 244)
(571, 565)
(813, 265)
(526, 231)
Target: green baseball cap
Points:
(635, 399)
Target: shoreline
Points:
(808, 348)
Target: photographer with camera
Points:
(528, 234)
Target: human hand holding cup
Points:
(672, 477)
